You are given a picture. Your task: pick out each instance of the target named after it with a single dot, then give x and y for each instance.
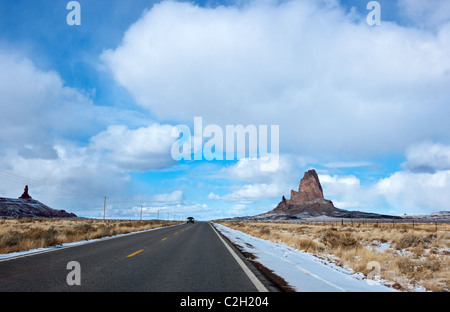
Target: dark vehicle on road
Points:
(190, 220)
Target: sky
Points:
(91, 113)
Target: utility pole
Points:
(141, 212)
(104, 207)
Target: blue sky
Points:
(88, 111)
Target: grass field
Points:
(412, 258)
(25, 234)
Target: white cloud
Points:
(213, 196)
(346, 181)
(423, 186)
(76, 180)
(38, 109)
(140, 149)
(260, 185)
(249, 169)
(332, 84)
(250, 193)
(412, 191)
(43, 126)
(427, 157)
(346, 192)
(415, 193)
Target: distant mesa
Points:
(27, 207)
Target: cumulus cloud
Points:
(49, 140)
(252, 185)
(422, 187)
(173, 198)
(345, 191)
(339, 181)
(76, 180)
(37, 108)
(250, 193)
(427, 157)
(333, 84)
(144, 148)
(414, 193)
(249, 169)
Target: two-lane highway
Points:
(186, 257)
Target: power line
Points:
(62, 192)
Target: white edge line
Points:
(251, 276)
(305, 271)
(43, 250)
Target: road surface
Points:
(186, 257)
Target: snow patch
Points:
(304, 272)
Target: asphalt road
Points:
(187, 257)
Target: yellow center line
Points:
(135, 253)
(164, 239)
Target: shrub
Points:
(12, 239)
(333, 239)
(49, 237)
(409, 240)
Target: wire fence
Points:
(404, 223)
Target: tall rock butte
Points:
(309, 202)
(309, 189)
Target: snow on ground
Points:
(303, 271)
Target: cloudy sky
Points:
(88, 111)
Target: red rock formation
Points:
(25, 194)
(309, 189)
(310, 202)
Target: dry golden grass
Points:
(412, 256)
(25, 234)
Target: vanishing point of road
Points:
(187, 257)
